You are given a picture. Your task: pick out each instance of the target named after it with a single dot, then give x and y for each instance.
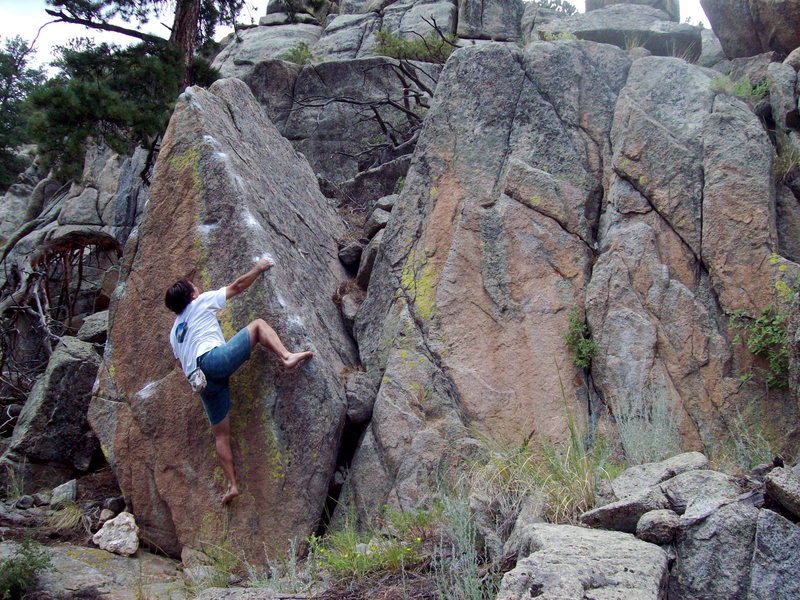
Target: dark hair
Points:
(179, 296)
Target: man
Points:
(197, 342)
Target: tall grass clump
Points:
(741, 88)
(348, 553)
(747, 444)
(562, 476)
(458, 568)
(285, 574)
(787, 157)
(648, 426)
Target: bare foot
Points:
(232, 492)
(296, 358)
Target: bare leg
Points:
(222, 438)
(261, 333)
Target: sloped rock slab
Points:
(623, 515)
(647, 475)
(775, 569)
(630, 25)
(257, 44)
(784, 487)
(228, 189)
(92, 573)
(572, 563)
(698, 486)
(671, 7)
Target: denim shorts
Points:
(218, 365)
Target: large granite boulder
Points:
(774, 572)
(227, 189)
(628, 26)
(750, 27)
(52, 436)
(671, 7)
(574, 563)
(498, 20)
(488, 247)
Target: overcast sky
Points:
(25, 17)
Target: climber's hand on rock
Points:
(262, 264)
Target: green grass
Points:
(648, 427)
(69, 517)
(787, 157)
(741, 88)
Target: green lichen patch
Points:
(419, 280)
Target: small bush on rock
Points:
(300, 55)
(19, 572)
(766, 336)
(432, 48)
(741, 88)
(578, 340)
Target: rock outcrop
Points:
(750, 27)
(227, 189)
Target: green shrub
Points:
(578, 340)
(766, 337)
(431, 48)
(300, 55)
(18, 573)
(458, 572)
(741, 88)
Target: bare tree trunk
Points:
(184, 33)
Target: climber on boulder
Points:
(208, 360)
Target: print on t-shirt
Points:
(180, 332)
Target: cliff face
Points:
(544, 174)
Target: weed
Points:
(787, 157)
(284, 575)
(431, 48)
(399, 185)
(741, 88)
(348, 286)
(747, 444)
(578, 340)
(15, 483)
(19, 572)
(352, 554)
(766, 337)
(550, 36)
(69, 517)
(300, 55)
(648, 427)
(458, 575)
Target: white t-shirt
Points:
(196, 329)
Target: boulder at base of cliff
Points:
(227, 190)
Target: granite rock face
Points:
(750, 27)
(213, 210)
